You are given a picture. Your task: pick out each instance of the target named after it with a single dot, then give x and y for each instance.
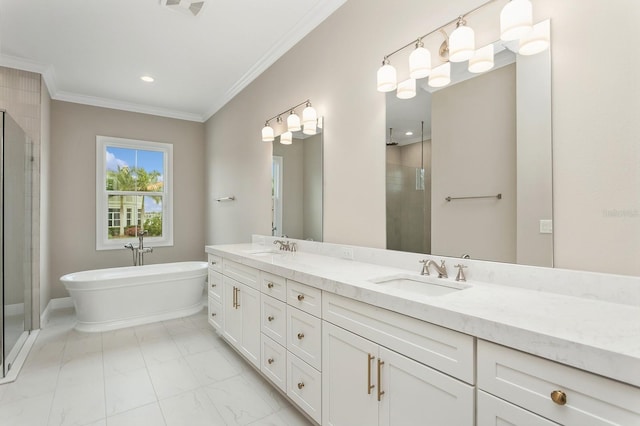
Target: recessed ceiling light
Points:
(409, 133)
(147, 78)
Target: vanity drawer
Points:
(215, 285)
(242, 273)
(273, 321)
(494, 411)
(529, 381)
(215, 314)
(304, 386)
(440, 348)
(273, 285)
(304, 336)
(274, 362)
(215, 263)
(303, 297)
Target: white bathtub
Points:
(108, 299)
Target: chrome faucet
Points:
(138, 252)
(287, 245)
(441, 269)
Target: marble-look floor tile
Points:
(237, 401)
(127, 391)
(45, 355)
(172, 378)
(212, 366)
(87, 368)
(78, 405)
(193, 341)
(123, 360)
(288, 416)
(27, 412)
(160, 350)
(80, 344)
(30, 384)
(147, 415)
(118, 339)
(153, 331)
(101, 422)
(192, 408)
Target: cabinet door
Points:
(415, 394)
(493, 411)
(232, 318)
(248, 302)
(349, 384)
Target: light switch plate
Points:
(347, 253)
(546, 226)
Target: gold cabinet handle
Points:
(300, 297)
(380, 391)
(234, 297)
(213, 262)
(212, 285)
(369, 385)
(559, 397)
(237, 297)
(269, 285)
(213, 314)
(300, 385)
(300, 336)
(270, 361)
(270, 318)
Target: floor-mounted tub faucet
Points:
(138, 252)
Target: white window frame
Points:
(102, 195)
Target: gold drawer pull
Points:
(300, 336)
(270, 285)
(380, 391)
(270, 361)
(300, 385)
(369, 385)
(213, 314)
(270, 318)
(300, 297)
(213, 285)
(559, 397)
(213, 262)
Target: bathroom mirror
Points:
(297, 187)
(468, 166)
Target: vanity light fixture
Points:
(286, 138)
(482, 59)
(419, 61)
(515, 23)
(516, 19)
(537, 40)
(310, 121)
(462, 42)
(293, 122)
(409, 133)
(406, 89)
(441, 75)
(387, 80)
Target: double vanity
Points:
(355, 335)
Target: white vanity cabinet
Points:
(214, 293)
(366, 380)
(241, 309)
(550, 390)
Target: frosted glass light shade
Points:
(441, 75)
(309, 114)
(516, 19)
(482, 60)
(286, 138)
(419, 63)
(293, 122)
(309, 127)
(387, 80)
(537, 40)
(267, 134)
(462, 44)
(406, 89)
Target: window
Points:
(133, 192)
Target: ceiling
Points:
(95, 51)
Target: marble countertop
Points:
(597, 336)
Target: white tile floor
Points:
(176, 372)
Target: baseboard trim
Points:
(59, 303)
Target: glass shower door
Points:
(16, 240)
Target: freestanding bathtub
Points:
(108, 299)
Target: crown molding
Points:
(304, 26)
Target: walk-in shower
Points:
(15, 229)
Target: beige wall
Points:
(473, 133)
(595, 102)
(73, 186)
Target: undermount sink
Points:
(263, 252)
(419, 284)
